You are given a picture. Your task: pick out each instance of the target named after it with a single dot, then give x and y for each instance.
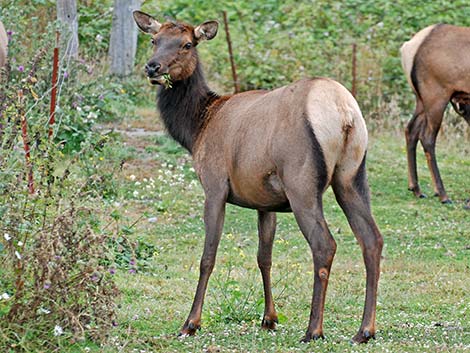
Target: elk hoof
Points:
(362, 337)
(446, 202)
(309, 337)
(269, 324)
(189, 329)
(417, 192)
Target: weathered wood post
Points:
(67, 16)
(123, 41)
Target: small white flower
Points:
(44, 311)
(58, 330)
(117, 204)
(92, 115)
(132, 177)
(5, 296)
(79, 109)
(18, 255)
(153, 219)
(99, 38)
(7, 236)
(20, 243)
(135, 193)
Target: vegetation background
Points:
(104, 257)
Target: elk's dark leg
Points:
(266, 230)
(323, 248)
(307, 208)
(428, 140)
(353, 197)
(412, 132)
(214, 212)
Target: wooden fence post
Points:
(230, 52)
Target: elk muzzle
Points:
(155, 72)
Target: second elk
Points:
(436, 62)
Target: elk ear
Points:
(146, 23)
(206, 31)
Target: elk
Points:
(3, 46)
(437, 67)
(272, 151)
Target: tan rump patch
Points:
(336, 121)
(408, 51)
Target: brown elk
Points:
(436, 62)
(273, 151)
(3, 46)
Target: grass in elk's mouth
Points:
(167, 80)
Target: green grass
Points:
(424, 294)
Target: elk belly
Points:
(265, 193)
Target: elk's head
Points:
(174, 47)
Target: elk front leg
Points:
(266, 231)
(214, 212)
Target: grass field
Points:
(424, 292)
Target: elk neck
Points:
(185, 106)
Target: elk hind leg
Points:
(428, 137)
(308, 211)
(352, 194)
(412, 132)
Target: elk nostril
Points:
(152, 68)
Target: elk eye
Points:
(152, 41)
(188, 46)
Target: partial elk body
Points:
(273, 151)
(436, 62)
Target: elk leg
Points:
(428, 140)
(353, 197)
(214, 212)
(266, 230)
(309, 216)
(412, 136)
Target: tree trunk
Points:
(67, 16)
(123, 42)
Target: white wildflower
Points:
(18, 255)
(7, 236)
(20, 243)
(58, 330)
(5, 296)
(132, 177)
(135, 193)
(92, 115)
(44, 311)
